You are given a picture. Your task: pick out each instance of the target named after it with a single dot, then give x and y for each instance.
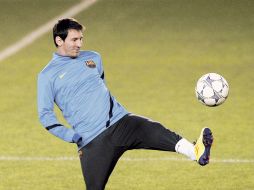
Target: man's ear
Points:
(59, 41)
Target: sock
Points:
(186, 148)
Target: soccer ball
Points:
(212, 89)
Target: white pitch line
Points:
(188, 160)
(125, 159)
(34, 35)
(24, 158)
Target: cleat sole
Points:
(207, 141)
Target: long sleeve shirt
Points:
(77, 87)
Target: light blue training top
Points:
(77, 87)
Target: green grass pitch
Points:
(153, 51)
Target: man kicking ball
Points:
(102, 128)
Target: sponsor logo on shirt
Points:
(62, 75)
(90, 64)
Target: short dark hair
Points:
(62, 26)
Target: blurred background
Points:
(153, 51)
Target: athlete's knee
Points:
(154, 128)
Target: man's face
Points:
(72, 43)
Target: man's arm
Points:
(47, 115)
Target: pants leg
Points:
(136, 132)
(98, 160)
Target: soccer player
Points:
(101, 127)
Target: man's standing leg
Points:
(98, 159)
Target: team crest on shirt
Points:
(90, 64)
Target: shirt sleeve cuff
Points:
(76, 138)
